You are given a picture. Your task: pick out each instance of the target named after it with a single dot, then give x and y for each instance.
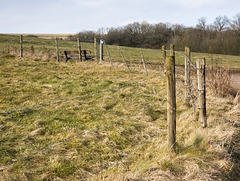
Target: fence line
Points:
(188, 84)
(75, 98)
(105, 125)
(77, 136)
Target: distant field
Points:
(44, 47)
(46, 36)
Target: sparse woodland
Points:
(221, 37)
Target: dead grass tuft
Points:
(219, 80)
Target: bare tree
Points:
(202, 23)
(221, 23)
(236, 23)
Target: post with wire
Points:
(101, 49)
(57, 49)
(164, 55)
(201, 65)
(187, 79)
(171, 99)
(143, 61)
(79, 49)
(95, 47)
(21, 46)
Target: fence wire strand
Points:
(77, 136)
(75, 98)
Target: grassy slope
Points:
(202, 153)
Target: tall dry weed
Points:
(219, 79)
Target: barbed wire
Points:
(77, 136)
(184, 55)
(191, 63)
(75, 98)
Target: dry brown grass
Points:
(203, 154)
(219, 80)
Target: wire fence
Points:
(123, 85)
(75, 98)
(82, 134)
(180, 94)
(78, 136)
(34, 108)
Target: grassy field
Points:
(85, 121)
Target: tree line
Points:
(220, 37)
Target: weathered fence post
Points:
(95, 47)
(123, 58)
(144, 65)
(21, 46)
(57, 49)
(79, 49)
(164, 54)
(201, 65)
(101, 50)
(97, 54)
(171, 99)
(187, 76)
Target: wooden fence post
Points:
(164, 54)
(144, 65)
(187, 75)
(97, 54)
(57, 49)
(21, 46)
(201, 64)
(95, 47)
(171, 99)
(101, 50)
(79, 49)
(123, 58)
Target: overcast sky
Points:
(72, 16)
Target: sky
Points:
(72, 16)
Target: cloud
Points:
(200, 3)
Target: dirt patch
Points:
(235, 81)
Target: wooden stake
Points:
(123, 58)
(144, 65)
(21, 46)
(79, 49)
(101, 50)
(171, 100)
(201, 63)
(172, 51)
(57, 50)
(95, 48)
(164, 54)
(187, 76)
